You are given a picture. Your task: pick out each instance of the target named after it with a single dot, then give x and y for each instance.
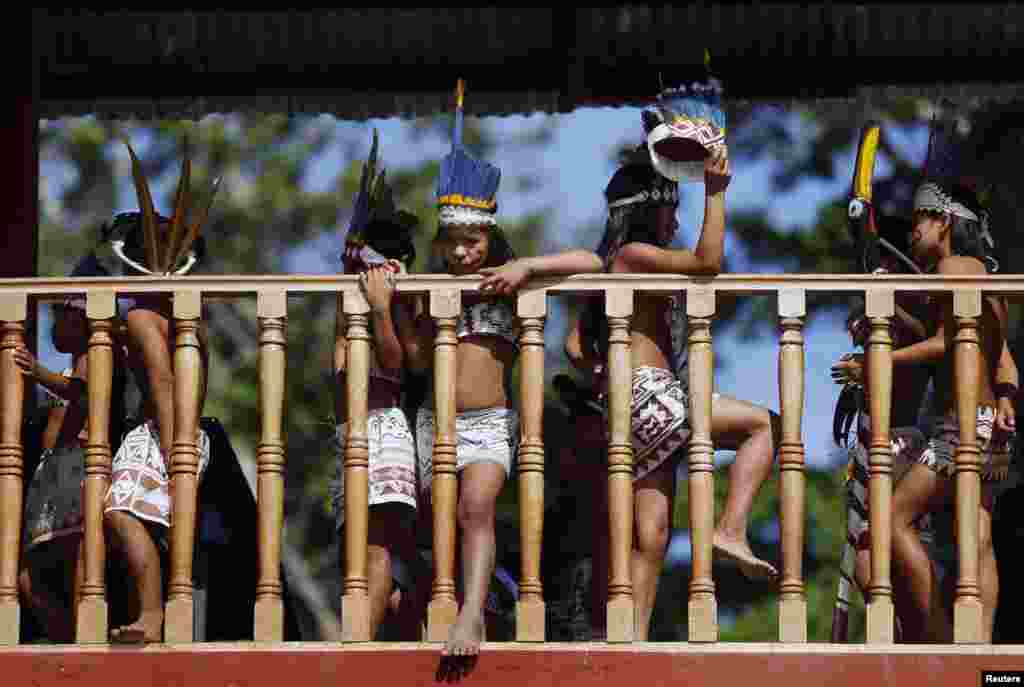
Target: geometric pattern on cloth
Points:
(659, 419)
(392, 462)
(488, 318)
(940, 452)
(139, 482)
(906, 444)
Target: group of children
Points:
(684, 141)
(642, 204)
(947, 234)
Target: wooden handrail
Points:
(444, 303)
(47, 288)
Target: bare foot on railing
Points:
(465, 637)
(146, 630)
(739, 553)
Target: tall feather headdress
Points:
(945, 173)
(686, 125)
(174, 251)
(374, 206)
(466, 187)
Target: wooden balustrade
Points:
(792, 602)
(355, 602)
(444, 307)
(531, 309)
(13, 309)
(621, 623)
(443, 608)
(879, 309)
(91, 621)
(967, 366)
(184, 473)
(703, 608)
(268, 618)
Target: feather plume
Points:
(145, 198)
(176, 234)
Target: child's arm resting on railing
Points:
(511, 276)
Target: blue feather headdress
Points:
(467, 187)
(686, 125)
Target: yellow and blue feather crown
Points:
(466, 187)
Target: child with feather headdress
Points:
(378, 247)
(469, 241)
(137, 506)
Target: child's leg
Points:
(478, 492)
(748, 429)
(599, 564)
(132, 541)
(150, 342)
(47, 606)
(653, 508)
(988, 578)
(917, 493)
(387, 529)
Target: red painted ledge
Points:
(506, 665)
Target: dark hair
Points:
(965, 237)
(393, 240)
(628, 224)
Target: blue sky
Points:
(575, 167)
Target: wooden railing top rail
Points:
(234, 285)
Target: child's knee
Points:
(652, 533)
(475, 511)
(378, 560)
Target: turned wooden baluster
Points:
(355, 602)
(703, 608)
(13, 310)
(792, 601)
(91, 622)
(531, 308)
(272, 310)
(443, 609)
(879, 309)
(967, 371)
(621, 621)
(188, 376)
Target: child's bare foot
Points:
(739, 553)
(148, 629)
(466, 635)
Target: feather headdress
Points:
(174, 251)
(374, 207)
(686, 125)
(466, 187)
(946, 186)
